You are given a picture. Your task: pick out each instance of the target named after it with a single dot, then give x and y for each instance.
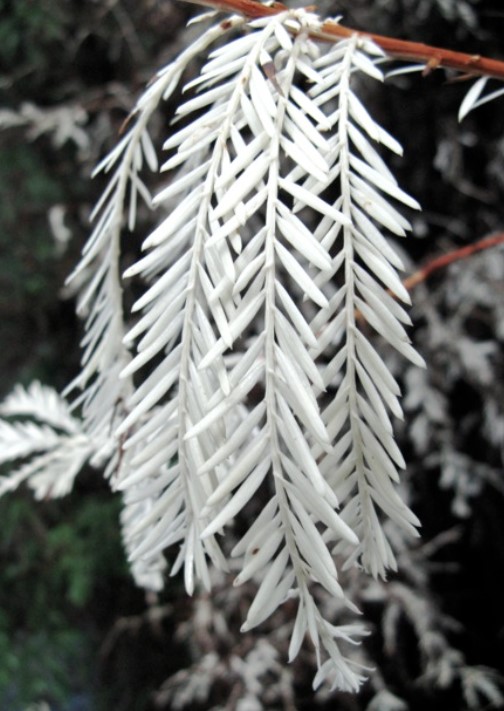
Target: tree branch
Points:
(446, 259)
(432, 57)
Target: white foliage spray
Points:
(249, 368)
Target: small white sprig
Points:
(362, 465)
(103, 392)
(44, 434)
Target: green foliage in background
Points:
(28, 253)
(29, 33)
(56, 560)
(31, 275)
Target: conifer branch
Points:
(432, 57)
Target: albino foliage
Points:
(249, 367)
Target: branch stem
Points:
(330, 31)
(456, 255)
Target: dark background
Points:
(74, 631)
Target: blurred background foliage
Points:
(74, 631)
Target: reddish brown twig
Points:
(432, 57)
(446, 259)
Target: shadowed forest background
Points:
(74, 631)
